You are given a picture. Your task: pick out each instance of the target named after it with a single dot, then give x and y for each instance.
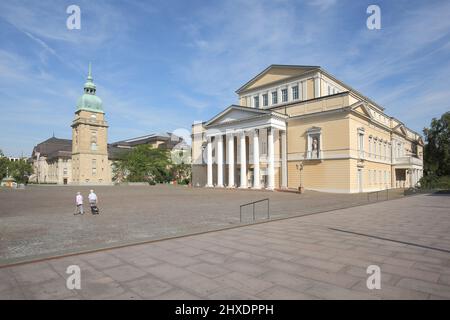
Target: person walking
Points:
(79, 203)
(93, 201)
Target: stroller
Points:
(94, 208)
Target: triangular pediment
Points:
(275, 73)
(361, 108)
(236, 113)
(400, 129)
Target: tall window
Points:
(370, 146)
(265, 99)
(94, 167)
(284, 95)
(295, 93)
(361, 142)
(375, 149)
(256, 101)
(274, 97)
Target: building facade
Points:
(300, 126)
(90, 164)
(87, 158)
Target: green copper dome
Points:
(89, 101)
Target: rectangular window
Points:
(94, 167)
(256, 101)
(295, 93)
(265, 99)
(284, 95)
(274, 97)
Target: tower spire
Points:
(90, 72)
(89, 86)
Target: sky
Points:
(162, 65)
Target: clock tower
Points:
(90, 164)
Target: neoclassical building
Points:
(300, 126)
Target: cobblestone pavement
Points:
(39, 221)
(323, 256)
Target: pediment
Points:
(275, 73)
(361, 108)
(236, 113)
(400, 129)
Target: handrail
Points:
(378, 192)
(253, 204)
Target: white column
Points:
(271, 156)
(243, 162)
(210, 164)
(256, 176)
(283, 160)
(317, 92)
(220, 161)
(230, 153)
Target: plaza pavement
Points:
(320, 256)
(39, 221)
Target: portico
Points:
(246, 148)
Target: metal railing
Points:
(253, 204)
(378, 194)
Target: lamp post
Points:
(300, 169)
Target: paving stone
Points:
(124, 273)
(176, 294)
(102, 260)
(166, 271)
(321, 264)
(287, 280)
(100, 288)
(282, 293)
(331, 292)
(425, 286)
(391, 292)
(243, 282)
(231, 294)
(148, 288)
(198, 285)
(208, 270)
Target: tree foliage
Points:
(19, 170)
(437, 153)
(143, 164)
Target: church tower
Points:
(90, 163)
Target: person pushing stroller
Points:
(93, 202)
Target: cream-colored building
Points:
(300, 126)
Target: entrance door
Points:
(65, 180)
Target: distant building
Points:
(88, 158)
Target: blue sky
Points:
(161, 65)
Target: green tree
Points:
(20, 170)
(143, 163)
(4, 162)
(437, 153)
